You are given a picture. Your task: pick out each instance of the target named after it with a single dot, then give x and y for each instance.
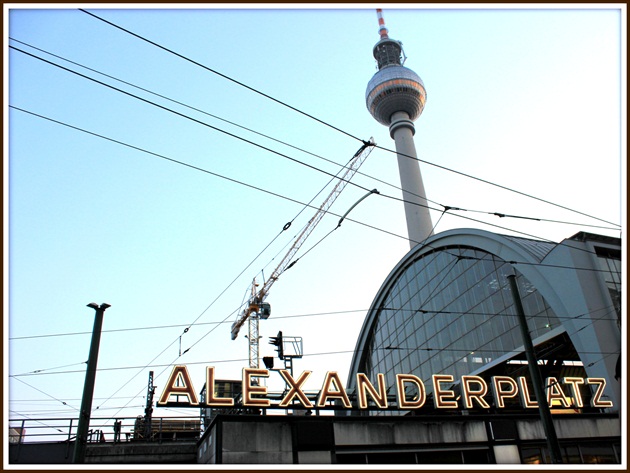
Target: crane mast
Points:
(252, 312)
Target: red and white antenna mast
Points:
(381, 24)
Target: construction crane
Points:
(256, 308)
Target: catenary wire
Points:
(141, 368)
(183, 115)
(305, 205)
(445, 207)
(607, 311)
(537, 219)
(178, 103)
(467, 350)
(51, 369)
(210, 331)
(471, 351)
(182, 163)
(326, 353)
(479, 350)
(530, 235)
(205, 113)
(335, 128)
(611, 354)
(211, 115)
(374, 191)
(496, 185)
(347, 166)
(74, 399)
(256, 144)
(455, 312)
(44, 393)
(237, 310)
(220, 74)
(200, 169)
(318, 314)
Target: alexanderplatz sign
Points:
(565, 392)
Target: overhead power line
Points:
(109, 76)
(485, 181)
(536, 219)
(161, 156)
(445, 207)
(170, 160)
(15, 401)
(466, 350)
(45, 393)
(183, 115)
(220, 74)
(277, 317)
(158, 327)
(51, 369)
(294, 200)
(336, 128)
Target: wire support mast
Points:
(287, 262)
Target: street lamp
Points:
(88, 387)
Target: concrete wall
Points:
(571, 428)
(397, 433)
(266, 443)
(180, 452)
(330, 439)
(50, 453)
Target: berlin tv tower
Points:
(395, 97)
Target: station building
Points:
(447, 310)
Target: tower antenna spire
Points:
(382, 30)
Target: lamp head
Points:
(95, 306)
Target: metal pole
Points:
(539, 390)
(88, 387)
(148, 411)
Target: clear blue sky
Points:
(528, 99)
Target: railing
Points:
(103, 429)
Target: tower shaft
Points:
(419, 225)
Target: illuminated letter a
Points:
(332, 378)
(186, 389)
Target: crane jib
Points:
(352, 167)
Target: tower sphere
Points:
(395, 89)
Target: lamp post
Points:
(539, 389)
(88, 387)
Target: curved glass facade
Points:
(450, 311)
